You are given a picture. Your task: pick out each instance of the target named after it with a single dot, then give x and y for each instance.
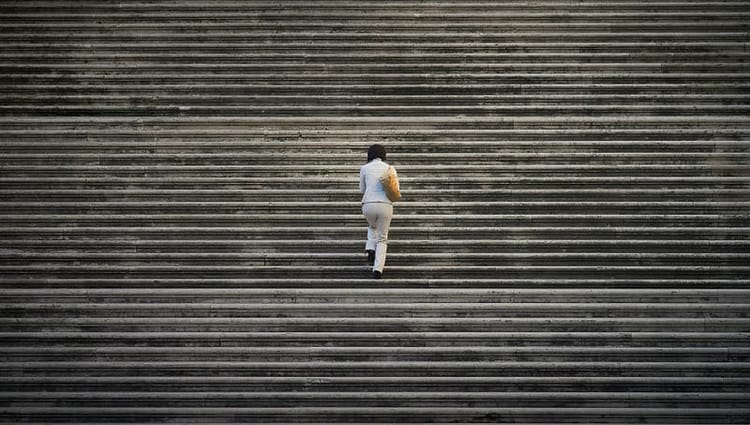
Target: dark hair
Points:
(376, 151)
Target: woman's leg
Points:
(379, 217)
(370, 246)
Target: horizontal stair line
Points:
(729, 293)
(438, 395)
(208, 243)
(157, 321)
(621, 65)
(357, 203)
(402, 306)
(353, 12)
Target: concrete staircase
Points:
(182, 238)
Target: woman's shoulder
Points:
(375, 165)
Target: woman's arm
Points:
(362, 184)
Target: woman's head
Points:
(376, 151)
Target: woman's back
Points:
(369, 181)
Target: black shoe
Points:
(370, 257)
(376, 274)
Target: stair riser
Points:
(374, 326)
(487, 384)
(394, 401)
(381, 415)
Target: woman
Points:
(376, 207)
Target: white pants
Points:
(378, 215)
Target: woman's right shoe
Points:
(370, 257)
(377, 275)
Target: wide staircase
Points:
(182, 238)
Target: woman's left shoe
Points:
(377, 275)
(370, 257)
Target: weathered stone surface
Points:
(180, 234)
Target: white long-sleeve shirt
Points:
(369, 182)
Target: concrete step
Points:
(206, 35)
(519, 100)
(288, 160)
(346, 308)
(356, 12)
(376, 324)
(379, 414)
(470, 145)
(232, 324)
(346, 179)
(441, 353)
(332, 226)
(368, 57)
(386, 12)
(303, 231)
(601, 385)
(391, 26)
(312, 78)
(384, 368)
(420, 186)
(332, 283)
(135, 6)
(429, 296)
(454, 271)
(400, 338)
(113, 246)
(509, 170)
(391, 87)
(217, 261)
(206, 110)
(350, 160)
(103, 105)
(382, 399)
(515, 124)
(264, 135)
(359, 65)
(407, 208)
(633, 48)
(427, 194)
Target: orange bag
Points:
(389, 180)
